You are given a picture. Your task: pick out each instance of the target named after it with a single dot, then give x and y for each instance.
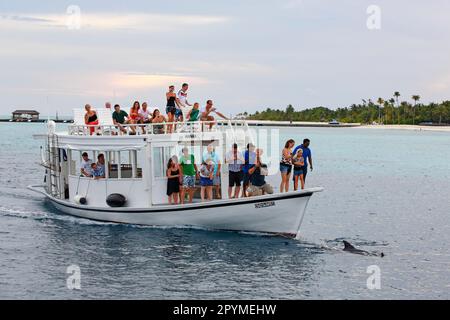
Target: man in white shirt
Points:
(86, 169)
(182, 97)
(144, 113)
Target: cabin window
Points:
(125, 164)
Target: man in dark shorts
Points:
(235, 162)
(306, 156)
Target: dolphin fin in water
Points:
(350, 248)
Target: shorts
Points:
(258, 191)
(298, 172)
(171, 109)
(235, 178)
(217, 181)
(178, 113)
(246, 179)
(206, 182)
(285, 168)
(188, 181)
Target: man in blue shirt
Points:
(306, 156)
(249, 161)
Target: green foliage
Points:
(388, 111)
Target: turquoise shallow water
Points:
(385, 190)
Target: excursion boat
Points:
(133, 190)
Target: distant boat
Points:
(334, 122)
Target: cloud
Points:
(292, 4)
(111, 21)
(139, 80)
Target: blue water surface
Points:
(385, 191)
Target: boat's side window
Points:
(125, 165)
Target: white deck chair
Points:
(105, 119)
(78, 120)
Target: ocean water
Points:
(385, 191)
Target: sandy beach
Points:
(407, 127)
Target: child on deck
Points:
(206, 179)
(298, 162)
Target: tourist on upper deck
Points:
(158, 118)
(258, 171)
(306, 156)
(235, 162)
(189, 172)
(173, 180)
(101, 165)
(298, 162)
(86, 169)
(144, 114)
(108, 107)
(249, 160)
(194, 113)
(210, 153)
(206, 114)
(134, 112)
(90, 118)
(206, 179)
(172, 106)
(183, 102)
(286, 165)
(120, 117)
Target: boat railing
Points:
(155, 128)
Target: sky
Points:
(246, 55)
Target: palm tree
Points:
(415, 98)
(380, 102)
(397, 95)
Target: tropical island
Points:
(382, 111)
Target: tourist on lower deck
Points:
(206, 179)
(189, 172)
(286, 165)
(210, 153)
(249, 160)
(120, 118)
(158, 118)
(86, 168)
(258, 185)
(235, 162)
(101, 165)
(90, 118)
(306, 156)
(96, 171)
(298, 162)
(173, 180)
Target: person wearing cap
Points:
(86, 169)
(258, 185)
(235, 162)
(249, 160)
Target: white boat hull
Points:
(278, 214)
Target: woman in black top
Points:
(90, 118)
(173, 180)
(172, 103)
